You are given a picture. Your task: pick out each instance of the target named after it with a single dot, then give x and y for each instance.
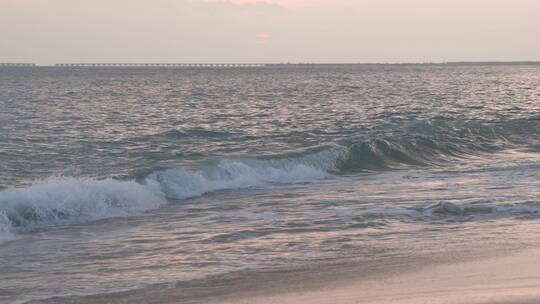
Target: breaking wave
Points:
(450, 210)
(59, 201)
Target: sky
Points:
(247, 31)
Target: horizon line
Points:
(254, 64)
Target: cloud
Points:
(262, 38)
(298, 3)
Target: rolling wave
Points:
(60, 201)
(444, 209)
(180, 183)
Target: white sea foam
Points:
(181, 183)
(5, 228)
(57, 201)
(69, 200)
(228, 174)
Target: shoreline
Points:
(491, 280)
(450, 278)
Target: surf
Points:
(71, 200)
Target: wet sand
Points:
(480, 279)
(497, 280)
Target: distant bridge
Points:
(165, 65)
(14, 64)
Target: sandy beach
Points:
(480, 279)
(509, 279)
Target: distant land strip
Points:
(251, 65)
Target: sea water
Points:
(116, 179)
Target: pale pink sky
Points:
(49, 31)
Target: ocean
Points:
(122, 179)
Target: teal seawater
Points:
(126, 123)
(197, 171)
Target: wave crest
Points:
(58, 201)
(180, 183)
(70, 200)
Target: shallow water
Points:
(114, 179)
